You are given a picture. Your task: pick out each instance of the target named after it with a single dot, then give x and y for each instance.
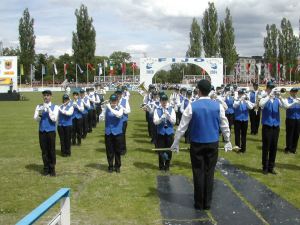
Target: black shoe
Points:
(197, 207)
(110, 169)
(265, 171)
(272, 171)
(206, 207)
(45, 173)
(286, 151)
(117, 170)
(52, 173)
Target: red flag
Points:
(133, 65)
(203, 71)
(248, 67)
(278, 68)
(123, 68)
(270, 67)
(90, 66)
(66, 69)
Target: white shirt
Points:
(171, 117)
(79, 105)
(237, 103)
(288, 105)
(46, 108)
(187, 116)
(264, 100)
(126, 109)
(87, 103)
(63, 109)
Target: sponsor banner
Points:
(9, 71)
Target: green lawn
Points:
(98, 197)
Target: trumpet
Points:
(105, 102)
(143, 88)
(165, 120)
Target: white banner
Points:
(8, 72)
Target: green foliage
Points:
(210, 31)
(227, 46)
(27, 41)
(270, 44)
(118, 58)
(195, 47)
(83, 43)
(10, 51)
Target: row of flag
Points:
(89, 66)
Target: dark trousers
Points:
(292, 134)
(254, 120)
(124, 128)
(84, 125)
(230, 118)
(98, 112)
(154, 134)
(148, 119)
(114, 145)
(64, 133)
(178, 117)
(269, 146)
(240, 133)
(94, 118)
(164, 157)
(203, 158)
(187, 136)
(77, 131)
(47, 144)
(90, 119)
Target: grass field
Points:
(98, 197)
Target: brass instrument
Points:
(143, 89)
(257, 99)
(165, 120)
(278, 93)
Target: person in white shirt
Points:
(205, 117)
(164, 118)
(46, 114)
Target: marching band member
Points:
(46, 114)
(292, 122)
(241, 107)
(99, 99)
(271, 126)
(114, 140)
(185, 104)
(77, 118)
(126, 93)
(86, 104)
(124, 103)
(64, 126)
(254, 97)
(205, 117)
(229, 100)
(154, 104)
(175, 101)
(164, 118)
(94, 99)
(147, 99)
(195, 95)
(182, 96)
(90, 111)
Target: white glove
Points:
(228, 146)
(175, 147)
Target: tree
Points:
(270, 44)
(10, 51)
(83, 43)
(227, 47)
(195, 47)
(210, 31)
(27, 41)
(117, 58)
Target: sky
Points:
(152, 28)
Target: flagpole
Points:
(99, 73)
(31, 75)
(290, 76)
(104, 71)
(42, 80)
(87, 75)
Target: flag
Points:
(21, 70)
(270, 67)
(123, 66)
(133, 65)
(203, 71)
(278, 69)
(32, 68)
(105, 63)
(54, 69)
(79, 68)
(248, 67)
(111, 68)
(43, 70)
(298, 68)
(291, 67)
(99, 69)
(65, 69)
(90, 66)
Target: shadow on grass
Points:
(252, 138)
(247, 168)
(259, 147)
(35, 167)
(180, 164)
(141, 141)
(145, 165)
(97, 166)
(100, 149)
(58, 152)
(287, 166)
(146, 150)
(153, 192)
(139, 135)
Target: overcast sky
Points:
(160, 28)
